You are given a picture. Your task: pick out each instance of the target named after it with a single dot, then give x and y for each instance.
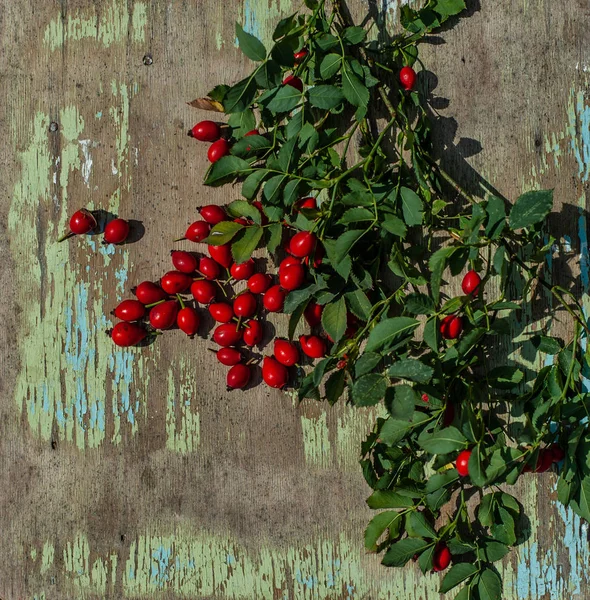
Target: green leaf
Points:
(505, 377)
(388, 499)
(485, 511)
(410, 368)
(437, 264)
(432, 334)
(425, 560)
(491, 551)
(457, 574)
(394, 225)
(419, 304)
(489, 585)
(325, 96)
(272, 188)
(330, 65)
(253, 182)
(242, 122)
(412, 207)
(240, 96)
(496, 211)
(546, 344)
(335, 386)
(295, 318)
(388, 330)
(354, 35)
(222, 233)
(284, 26)
(352, 88)
(369, 389)
(400, 401)
(401, 552)
(420, 526)
(250, 45)
(249, 145)
(327, 41)
(449, 8)
(241, 208)
(531, 208)
(334, 319)
(352, 215)
(345, 242)
(477, 471)
(394, 430)
(443, 441)
(285, 100)
(366, 363)
(581, 502)
(378, 525)
(274, 239)
(226, 169)
(359, 304)
(248, 242)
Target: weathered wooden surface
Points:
(131, 473)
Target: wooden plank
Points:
(132, 473)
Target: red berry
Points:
(407, 77)
(292, 277)
(203, 291)
(148, 292)
(81, 222)
(243, 270)
(313, 313)
(229, 356)
(293, 82)
(221, 312)
(470, 284)
(286, 352)
(442, 557)
(252, 132)
(221, 254)
(274, 298)
(245, 305)
(127, 334)
(299, 56)
(557, 453)
(188, 320)
(449, 414)
(218, 150)
(302, 244)
(130, 310)
(185, 262)
(197, 231)
(289, 262)
(313, 346)
(318, 256)
(451, 327)
(462, 462)
(238, 376)
(209, 268)
(306, 203)
(425, 398)
(544, 461)
(163, 316)
(213, 214)
(116, 231)
(252, 332)
(175, 282)
(259, 283)
(206, 131)
(227, 334)
(274, 373)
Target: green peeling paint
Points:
(316, 442)
(111, 25)
(183, 428)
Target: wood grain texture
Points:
(131, 473)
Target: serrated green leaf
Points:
(378, 525)
(369, 389)
(253, 182)
(401, 552)
(449, 8)
(485, 511)
(366, 363)
(359, 304)
(419, 304)
(325, 96)
(285, 100)
(250, 45)
(437, 263)
(420, 525)
(242, 122)
(222, 233)
(249, 145)
(226, 169)
(432, 334)
(491, 551)
(330, 65)
(354, 35)
(456, 575)
(388, 499)
(352, 88)
(400, 401)
(353, 215)
(395, 225)
(496, 211)
(410, 368)
(412, 207)
(334, 319)
(243, 248)
(388, 330)
(477, 472)
(241, 208)
(335, 385)
(443, 441)
(531, 208)
(240, 96)
(489, 586)
(345, 242)
(581, 502)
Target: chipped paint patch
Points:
(316, 442)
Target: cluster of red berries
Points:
(83, 222)
(237, 320)
(451, 326)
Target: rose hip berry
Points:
(127, 334)
(148, 292)
(196, 232)
(252, 332)
(175, 282)
(544, 461)
(203, 291)
(205, 131)
(293, 82)
(292, 277)
(252, 132)
(313, 346)
(218, 150)
(81, 222)
(310, 203)
(289, 262)
(221, 254)
(245, 305)
(116, 231)
(302, 244)
(407, 77)
(274, 298)
(470, 283)
(299, 56)
(286, 352)
(221, 312)
(209, 268)
(238, 376)
(213, 214)
(185, 262)
(229, 356)
(227, 334)
(259, 283)
(442, 557)
(243, 270)
(425, 398)
(129, 310)
(274, 373)
(163, 316)
(462, 462)
(313, 313)
(188, 320)
(557, 453)
(451, 327)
